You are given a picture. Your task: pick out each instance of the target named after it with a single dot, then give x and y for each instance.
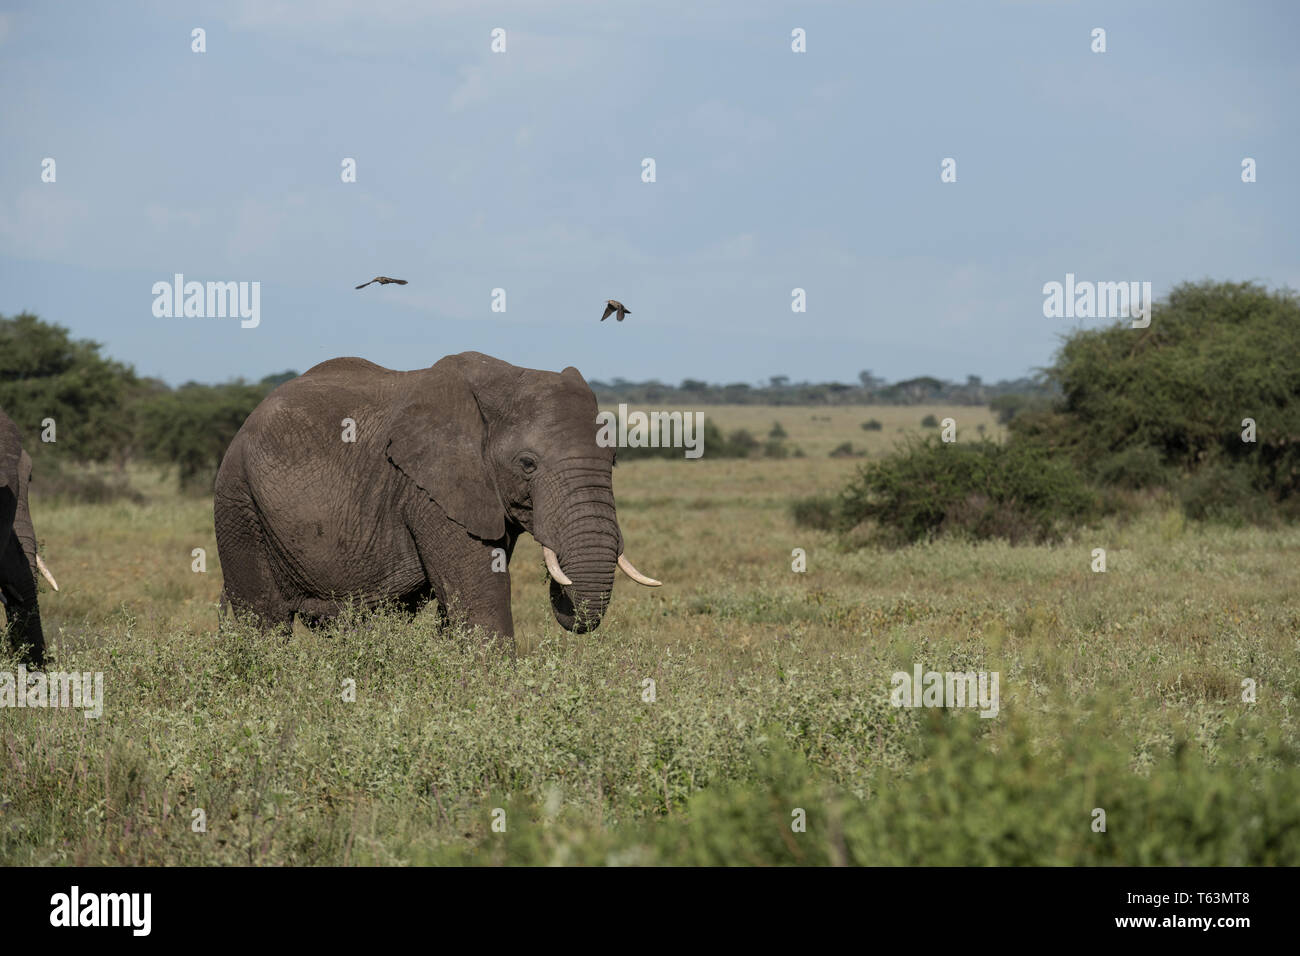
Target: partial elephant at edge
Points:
(20, 565)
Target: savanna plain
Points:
(705, 719)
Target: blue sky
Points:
(522, 171)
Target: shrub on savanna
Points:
(1137, 466)
(820, 512)
(977, 795)
(986, 795)
(1007, 407)
(981, 489)
(739, 444)
(872, 425)
(845, 450)
(929, 421)
(1214, 355)
(1221, 493)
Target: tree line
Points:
(98, 410)
(868, 390)
(103, 412)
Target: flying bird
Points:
(612, 306)
(382, 280)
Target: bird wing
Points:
(609, 310)
(399, 281)
(364, 284)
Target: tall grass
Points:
(1120, 691)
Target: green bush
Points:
(777, 432)
(872, 425)
(1136, 467)
(978, 796)
(820, 512)
(664, 449)
(981, 489)
(1224, 494)
(1007, 407)
(741, 444)
(845, 450)
(929, 421)
(1214, 354)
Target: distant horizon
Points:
(611, 380)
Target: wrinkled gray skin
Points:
(18, 571)
(449, 463)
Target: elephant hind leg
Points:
(265, 616)
(249, 584)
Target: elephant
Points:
(19, 563)
(359, 482)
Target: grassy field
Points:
(1120, 692)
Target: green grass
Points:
(1119, 691)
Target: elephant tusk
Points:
(45, 572)
(636, 575)
(553, 565)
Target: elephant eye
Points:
(529, 465)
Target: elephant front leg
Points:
(471, 581)
(491, 612)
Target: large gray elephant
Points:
(357, 481)
(19, 562)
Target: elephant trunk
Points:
(576, 520)
(24, 530)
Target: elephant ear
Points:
(437, 437)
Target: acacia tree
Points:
(1215, 353)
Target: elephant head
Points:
(502, 448)
(19, 563)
